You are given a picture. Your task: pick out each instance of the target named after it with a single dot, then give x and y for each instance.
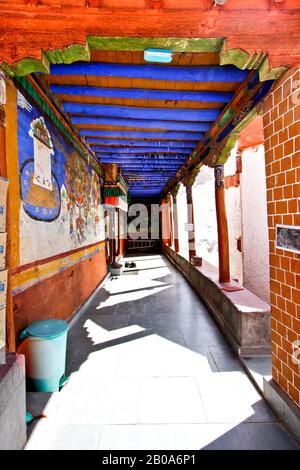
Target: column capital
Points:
(168, 197)
(189, 193)
(216, 151)
(219, 175)
(175, 190)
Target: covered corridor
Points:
(149, 369)
(168, 133)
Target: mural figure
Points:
(39, 188)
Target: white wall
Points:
(182, 220)
(206, 233)
(233, 210)
(254, 222)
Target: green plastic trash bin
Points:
(44, 347)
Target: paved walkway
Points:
(149, 369)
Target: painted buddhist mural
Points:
(60, 193)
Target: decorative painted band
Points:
(28, 275)
(82, 52)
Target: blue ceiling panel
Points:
(132, 112)
(196, 74)
(143, 123)
(143, 94)
(192, 136)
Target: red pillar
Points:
(190, 221)
(171, 238)
(164, 222)
(223, 239)
(118, 243)
(175, 224)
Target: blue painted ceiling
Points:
(147, 118)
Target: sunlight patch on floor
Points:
(131, 296)
(99, 335)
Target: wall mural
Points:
(61, 203)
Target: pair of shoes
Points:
(130, 265)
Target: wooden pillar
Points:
(112, 235)
(223, 239)
(171, 237)
(10, 328)
(190, 220)
(175, 225)
(118, 244)
(165, 222)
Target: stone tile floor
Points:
(149, 369)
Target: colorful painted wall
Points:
(58, 220)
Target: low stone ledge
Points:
(242, 316)
(12, 402)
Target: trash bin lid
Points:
(47, 328)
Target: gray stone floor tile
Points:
(170, 400)
(171, 334)
(80, 437)
(225, 359)
(254, 436)
(208, 336)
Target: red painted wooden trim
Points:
(252, 28)
(24, 267)
(232, 181)
(252, 135)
